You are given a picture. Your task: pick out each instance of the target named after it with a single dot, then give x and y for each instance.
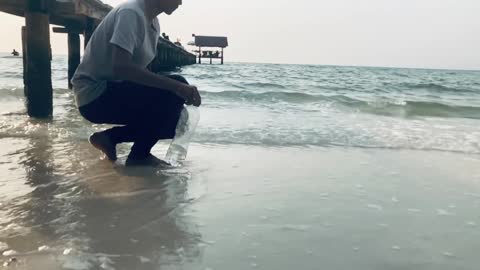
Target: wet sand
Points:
(238, 207)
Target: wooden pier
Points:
(171, 56)
(76, 17)
(210, 42)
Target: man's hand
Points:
(192, 96)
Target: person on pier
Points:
(112, 84)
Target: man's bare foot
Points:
(149, 161)
(101, 141)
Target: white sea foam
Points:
(9, 252)
(442, 212)
(471, 223)
(396, 248)
(375, 207)
(144, 259)
(43, 248)
(448, 254)
(295, 227)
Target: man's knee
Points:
(179, 78)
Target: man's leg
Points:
(160, 124)
(148, 115)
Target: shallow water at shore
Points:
(302, 207)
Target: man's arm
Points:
(125, 69)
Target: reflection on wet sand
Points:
(85, 213)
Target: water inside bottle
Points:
(177, 152)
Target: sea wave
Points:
(379, 106)
(260, 85)
(12, 74)
(420, 108)
(12, 92)
(18, 92)
(262, 96)
(393, 139)
(437, 87)
(350, 133)
(305, 101)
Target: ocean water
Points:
(292, 166)
(295, 105)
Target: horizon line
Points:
(332, 65)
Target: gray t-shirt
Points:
(125, 26)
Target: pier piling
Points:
(73, 55)
(89, 28)
(38, 70)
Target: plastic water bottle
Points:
(177, 152)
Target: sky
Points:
(391, 33)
